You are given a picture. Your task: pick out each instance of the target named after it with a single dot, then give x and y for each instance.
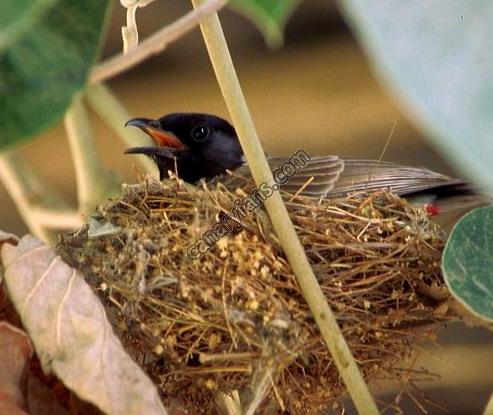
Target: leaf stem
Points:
(489, 407)
(26, 191)
(130, 35)
(94, 184)
(155, 43)
(323, 315)
(113, 113)
(57, 218)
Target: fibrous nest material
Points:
(236, 315)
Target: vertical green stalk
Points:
(240, 114)
(94, 183)
(113, 113)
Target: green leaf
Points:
(47, 48)
(468, 262)
(270, 16)
(436, 58)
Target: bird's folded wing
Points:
(317, 178)
(371, 175)
(330, 176)
(333, 177)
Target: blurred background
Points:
(317, 92)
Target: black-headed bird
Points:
(202, 146)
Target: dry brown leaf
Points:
(42, 400)
(16, 351)
(70, 332)
(8, 238)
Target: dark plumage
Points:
(203, 146)
(209, 145)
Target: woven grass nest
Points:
(217, 324)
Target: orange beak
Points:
(160, 137)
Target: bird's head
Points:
(201, 145)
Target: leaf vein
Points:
(31, 293)
(60, 307)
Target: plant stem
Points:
(260, 387)
(57, 218)
(228, 404)
(489, 407)
(323, 315)
(114, 114)
(25, 190)
(155, 43)
(130, 35)
(94, 184)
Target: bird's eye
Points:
(154, 124)
(200, 133)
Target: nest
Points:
(220, 323)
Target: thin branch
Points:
(130, 33)
(16, 184)
(489, 407)
(323, 315)
(94, 183)
(113, 113)
(228, 404)
(57, 218)
(23, 187)
(260, 389)
(154, 44)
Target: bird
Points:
(199, 146)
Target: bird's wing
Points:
(371, 175)
(333, 177)
(317, 178)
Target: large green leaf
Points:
(468, 262)
(46, 50)
(270, 16)
(436, 57)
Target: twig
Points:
(489, 407)
(154, 44)
(18, 188)
(323, 315)
(113, 113)
(57, 218)
(260, 389)
(94, 183)
(130, 34)
(228, 404)
(214, 357)
(24, 188)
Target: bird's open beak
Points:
(152, 151)
(161, 138)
